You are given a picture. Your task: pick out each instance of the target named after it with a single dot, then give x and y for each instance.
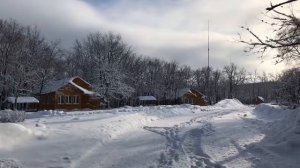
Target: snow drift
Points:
(12, 116)
(13, 134)
(281, 122)
(229, 103)
(270, 112)
(282, 129)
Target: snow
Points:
(22, 100)
(228, 134)
(229, 103)
(269, 112)
(53, 86)
(182, 92)
(56, 85)
(144, 98)
(260, 98)
(13, 134)
(82, 89)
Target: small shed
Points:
(259, 100)
(146, 100)
(24, 103)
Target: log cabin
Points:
(69, 94)
(191, 96)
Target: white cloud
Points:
(167, 29)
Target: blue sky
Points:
(172, 30)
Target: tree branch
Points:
(272, 7)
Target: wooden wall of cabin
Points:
(196, 100)
(90, 102)
(85, 101)
(47, 101)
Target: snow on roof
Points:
(182, 92)
(260, 98)
(22, 100)
(82, 89)
(55, 85)
(147, 98)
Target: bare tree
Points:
(235, 77)
(285, 36)
(289, 85)
(216, 82)
(272, 7)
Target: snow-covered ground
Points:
(227, 134)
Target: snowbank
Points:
(282, 129)
(12, 134)
(12, 116)
(269, 112)
(229, 103)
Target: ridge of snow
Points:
(229, 103)
(12, 134)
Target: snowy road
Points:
(228, 134)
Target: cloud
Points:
(167, 29)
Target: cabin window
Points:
(188, 101)
(71, 99)
(76, 99)
(60, 99)
(68, 99)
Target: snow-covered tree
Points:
(103, 57)
(26, 59)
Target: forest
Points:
(118, 73)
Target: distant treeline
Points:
(28, 61)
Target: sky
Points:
(172, 30)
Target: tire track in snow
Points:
(9, 163)
(185, 150)
(192, 144)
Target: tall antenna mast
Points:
(208, 70)
(208, 44)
